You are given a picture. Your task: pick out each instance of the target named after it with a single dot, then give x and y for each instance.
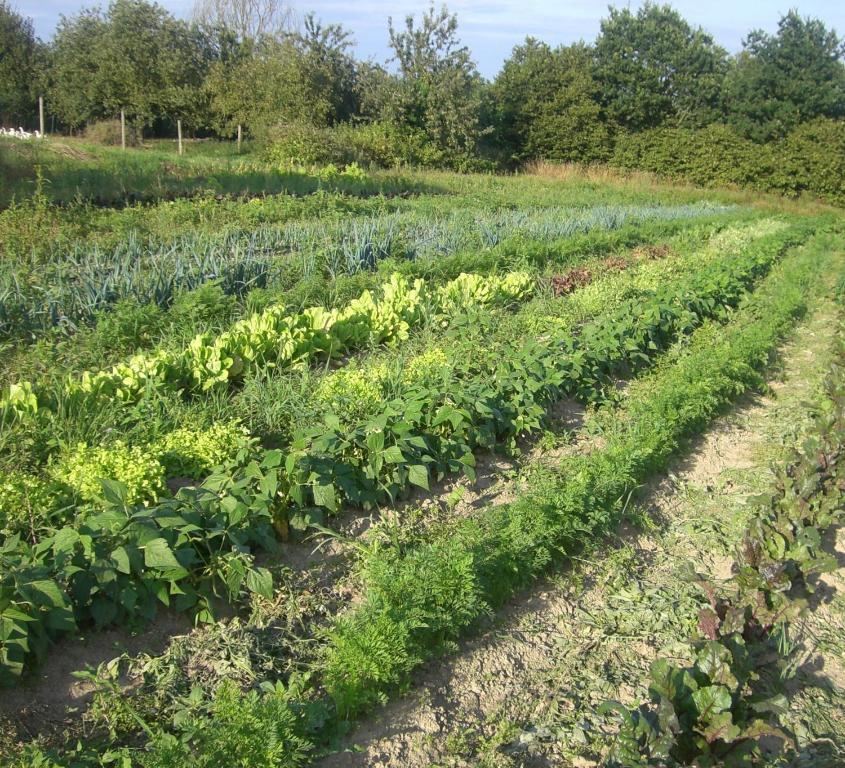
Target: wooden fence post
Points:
(239, 138)
(179, 131)
(41, 114)
(122, 130)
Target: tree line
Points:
(251, 63)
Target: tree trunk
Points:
(122, 130)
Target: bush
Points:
(372, 145)
(107, 132)
(815, 154)
(710, 156)
(810, 159)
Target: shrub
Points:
(810, 159)
(373, 145)
(714, 155)
(107, 132)
(815, 155)
(300, 144)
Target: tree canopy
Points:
(258, 65)
(780, 81)
(20, 55)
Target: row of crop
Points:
(358, 390)
(31, 504)
(417, 601)
(275, 338)
(72, 288)
(129, 327)
(433, 431)
(355, 391)
(722, 706)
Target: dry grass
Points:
(607, 175)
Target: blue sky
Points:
(492, 27)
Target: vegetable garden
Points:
(187, 412)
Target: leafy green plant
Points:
(83, 468)
(718, 710)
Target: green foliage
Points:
(719, 709)
(808, 160)
(193, 453)
(84, 468)
(207, 304)
(117, 564)
(274, 338)
(109, 134)
(780, 81)
(653, 68)
(19, 65)
(814, 159)
(438, 89)
(377, 144)
(433, 430)
(129, 325)
(509, 546)
(260, 730)
(135, 57)
(28, 503)
(350, 393)
(546, 104)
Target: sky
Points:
(491, 28)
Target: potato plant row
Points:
(118, 564)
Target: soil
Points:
(526, 691)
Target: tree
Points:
(19, 54)
(782, 80)
(328, 66)
(655, 68)
(247, 19)
(547, 104)
(136, 57)
(439, 92)
(265, 87)
(77, 71)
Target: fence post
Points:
(41, 114)
(122, 130)
(239, 138)
(179, 131)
